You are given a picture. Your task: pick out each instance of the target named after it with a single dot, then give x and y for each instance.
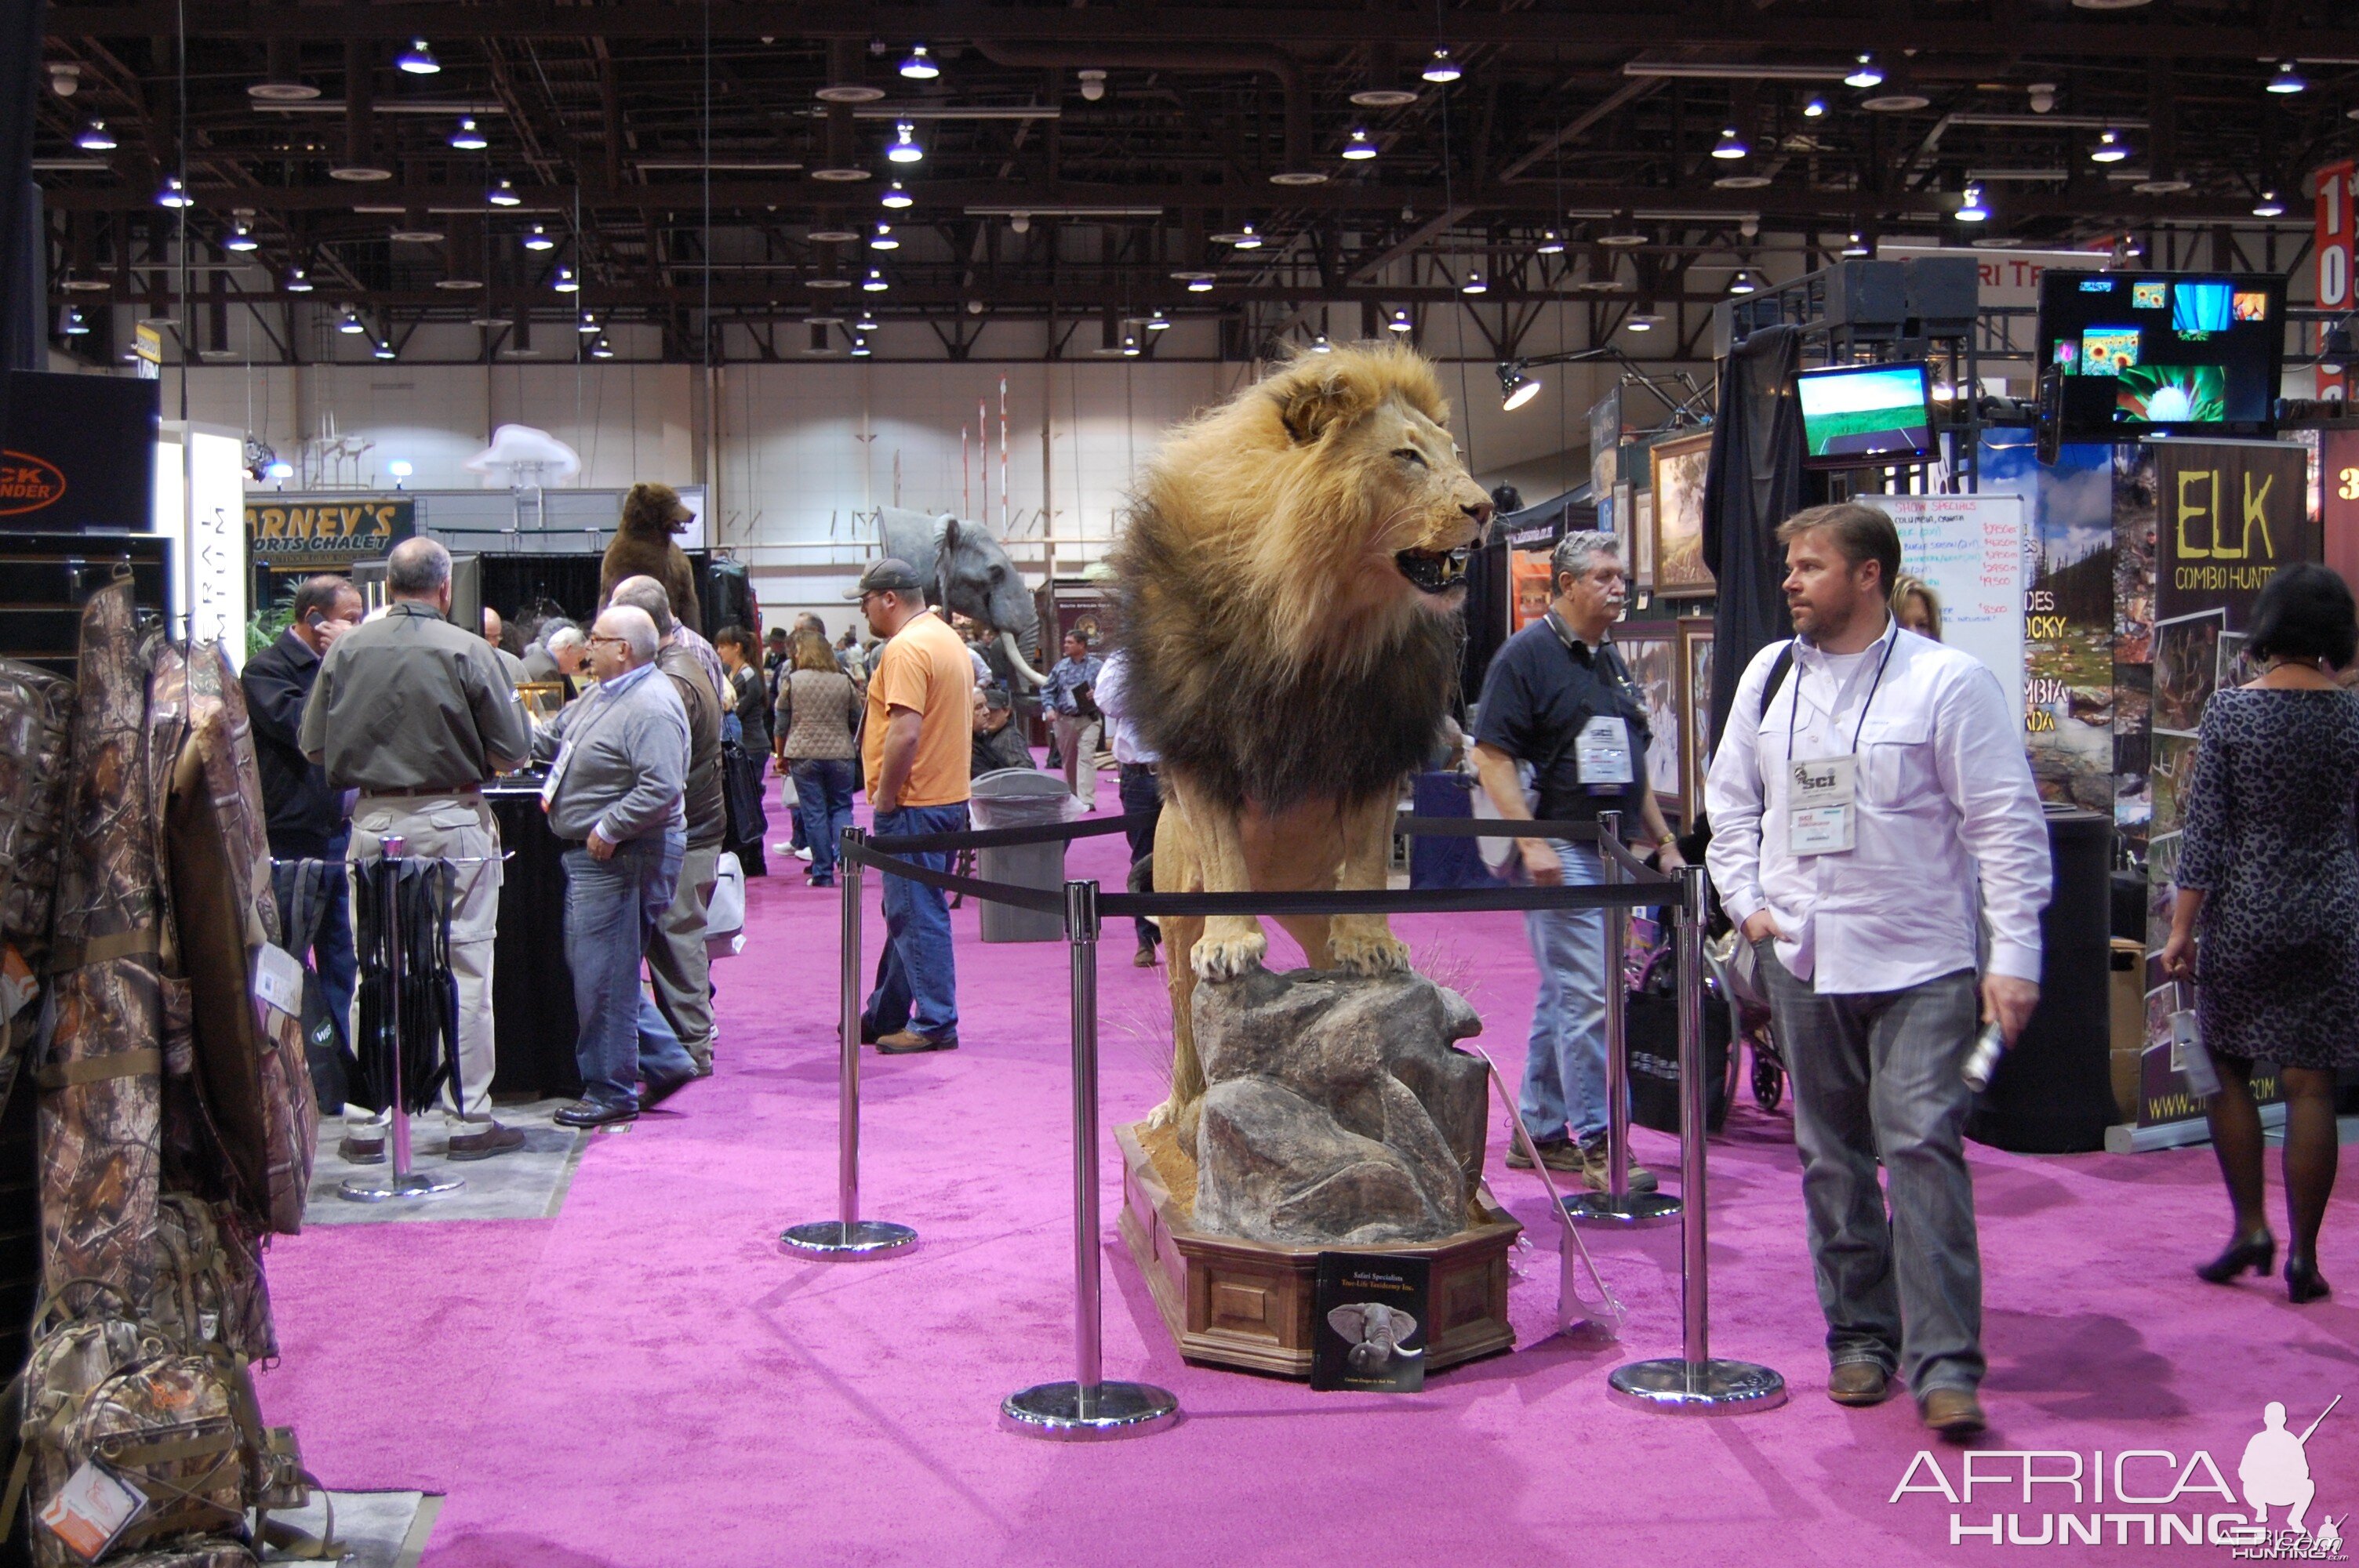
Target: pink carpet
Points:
(647, 1380)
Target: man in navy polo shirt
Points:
(1559, 700)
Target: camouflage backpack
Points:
(209, 1282)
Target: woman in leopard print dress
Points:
(2269, 876)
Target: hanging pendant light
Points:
(174, 194)
(919, 66)
(896, 198)
(1441, 68)
(95, 138)
(503, 194)
(1361, 148)
(418, 59)
(468, 140)
(905, 148)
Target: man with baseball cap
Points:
(914, 754)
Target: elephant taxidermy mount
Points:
(966, 570)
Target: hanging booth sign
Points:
(2336, 256)
(80, 453)
(303, 534)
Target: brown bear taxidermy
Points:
(1291, 576)
(642, 546)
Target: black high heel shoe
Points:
(2258, 1253)
(2302, 1281)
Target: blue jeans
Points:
(1875, 1077)
(333, 953)
(916, 979)
(1564, 1064)
(823, 789)
(612, 909)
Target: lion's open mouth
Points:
(1434, 571)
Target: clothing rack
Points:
(401, 1181)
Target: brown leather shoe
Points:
(909, 1042)
(1859, 1383)
(1556, 1153)
(355, 1151)
(1955, 1413)
(492, 1140)
(1145, 958)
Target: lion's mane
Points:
(1234, 556)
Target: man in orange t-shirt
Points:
(914, 751)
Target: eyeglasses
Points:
(619, 642)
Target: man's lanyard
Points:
(1892, 641)
(1596, 666)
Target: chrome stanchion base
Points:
(836, 1239)
(1698, 1388)
(380, 1189)
(1116, 1410)
(1632, 1212)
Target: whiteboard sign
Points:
(1969, 549)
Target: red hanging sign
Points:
(2335, 258)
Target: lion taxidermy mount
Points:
(1291, 576)
(642, 546)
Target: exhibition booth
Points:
(1319, 1240)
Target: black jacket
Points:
(302, 813)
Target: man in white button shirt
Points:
(1142, 791)
(1870, 781)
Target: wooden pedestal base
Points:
(1248, 1303)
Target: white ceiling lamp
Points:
(875, 282)
(503, 194)
(467, 138)
(95, 138)
(1319, 345)
(70, 323)
(1551, 243)
(860, 348)
(1092, 83)
(1865, 74)
(1474, 284)
(1400, 323)
(1743, 281)
(2110, 147)
(1643, 320)
(538, 240)
(565, 282)
(919, 66)
(174, 194)
(383, 349)
(2271, 205)
(587, 325)
(240, 237)
(895, 198)
(883, 240)
(1130, 345)
(1814, 108)
(1441, 68)
(1244, 238)
(2286, 80)
(1515, 388)
(1731, 145)
(1361, 148)
(349, 323)
(1159, 322)
(418, 59)
(1856, 245)
(1197, 282)
(867, 323)
(1972, 211)
(600, 349)
(905, 148)
(297, 281)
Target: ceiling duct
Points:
(359, 161)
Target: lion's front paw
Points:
(1163, 1115)
(1365, 946)
(1228, 954)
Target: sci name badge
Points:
(1818, 806)
(1601, 753)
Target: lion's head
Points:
(1331, 492)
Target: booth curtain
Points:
(1755, 484)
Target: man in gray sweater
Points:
(613, 795)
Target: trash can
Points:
(1021, 797)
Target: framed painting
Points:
(1695, 715)
(1651, 649)
(1678, 466)
(1642, 539)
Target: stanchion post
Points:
(400, 1180)
(848, 1236)
(1088, 1407)
(1695, 1384)
(1617, 1205)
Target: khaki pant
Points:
(458, 828)
(1077, 742)
(677, 961)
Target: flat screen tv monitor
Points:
(2163, 354)
(1863, 416)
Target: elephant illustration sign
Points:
(1368, 1314)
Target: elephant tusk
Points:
(1016, 657)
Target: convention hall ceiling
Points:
(689, 164)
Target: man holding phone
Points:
(1870, 784)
